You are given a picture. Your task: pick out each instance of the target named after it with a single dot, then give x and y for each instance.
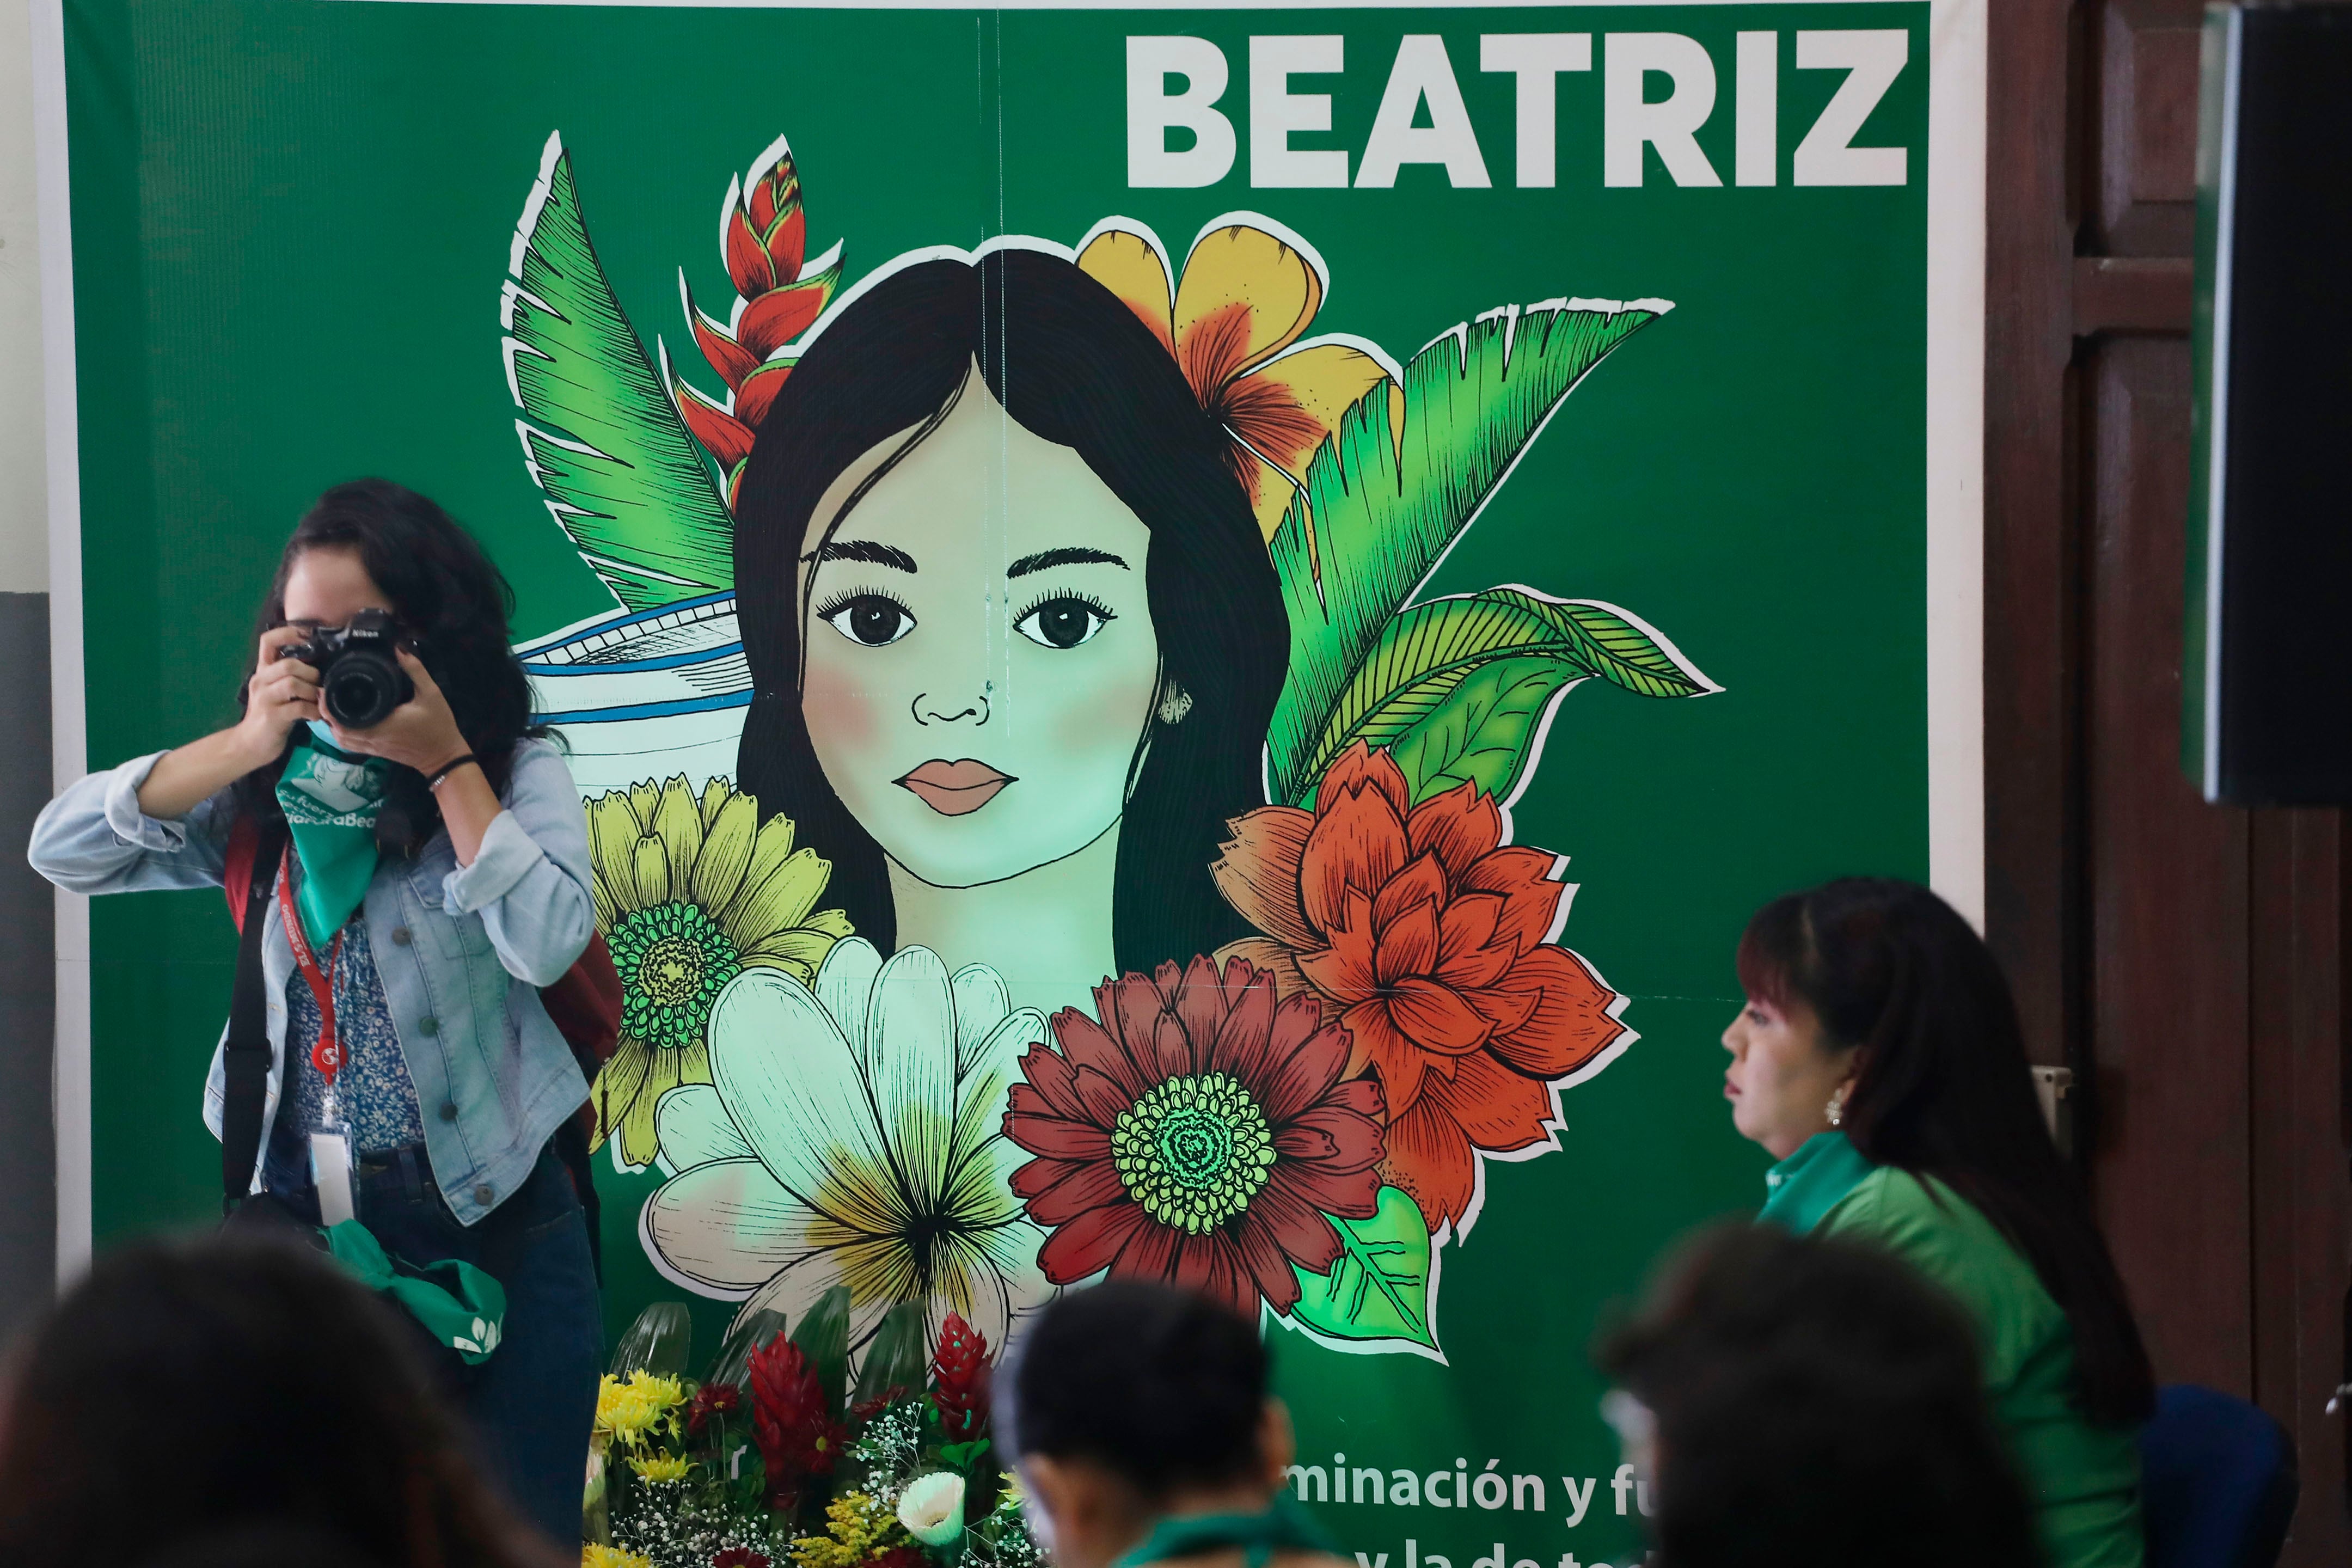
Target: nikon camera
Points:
(360, 680)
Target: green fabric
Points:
(466, 1311)
(1285, 1526)
(1809, 1182)
(330, 798)
(2084, 1478)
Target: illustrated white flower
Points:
(932, 1508)
(852, 1135)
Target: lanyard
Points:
(327, 1056)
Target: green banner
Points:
(1104, 615)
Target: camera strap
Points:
(246, 1054)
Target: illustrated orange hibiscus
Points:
(1427, 936)
(1233, 323)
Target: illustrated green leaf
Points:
(602, 441)
(1463, 683)
(1384, 499)
(1379, 1288)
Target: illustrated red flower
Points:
(764, 235)
(791, 1420)
(1426, 935)
(1199, 1135)
(960, 1373)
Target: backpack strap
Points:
(244, 1057)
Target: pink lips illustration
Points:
(953, 789)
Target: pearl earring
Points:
(1836, 1109)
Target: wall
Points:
(27, 1158)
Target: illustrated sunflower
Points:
(690, 893)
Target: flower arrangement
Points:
(776, 1459)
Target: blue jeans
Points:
(533, 1403)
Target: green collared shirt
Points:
(2084, 1478)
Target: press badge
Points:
(331, 1173)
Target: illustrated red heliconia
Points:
(764, 236)
(961, 1380)
(798, 1437)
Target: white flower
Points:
(852, 1135)
(932, 1508)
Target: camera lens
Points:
(362, 688)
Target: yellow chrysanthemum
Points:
(662, 1466)
(688, 894)
(592, 1555)
(627, 1412)
(859, 1528)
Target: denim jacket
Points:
(462, 952)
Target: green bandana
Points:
(459, 1304)
(330, 799)
(1285, 1526)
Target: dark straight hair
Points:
(1943, 1088)
(453, 605)
(1072, 366)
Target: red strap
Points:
(237, 874)
(327, 1056)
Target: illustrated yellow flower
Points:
(592, 1556)
(690, 893)
(627, 1411)
(1234, 321)
(859, 1528)
(662, 1466)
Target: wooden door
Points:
(2187, 961)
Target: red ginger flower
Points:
(961, 1379)
(1199, 1135)
(791, 1420)
(765, 235)
(740, 1557)
(1418, 928)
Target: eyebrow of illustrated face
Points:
(1068, 555)
(867, 551)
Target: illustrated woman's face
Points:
(980, 659)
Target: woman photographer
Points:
(438, 875)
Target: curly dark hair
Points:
(187, 1390)
(453, 605)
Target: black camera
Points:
(360, 680)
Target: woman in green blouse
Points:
(1879, 1060)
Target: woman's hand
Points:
(421, 733)
(283, 692)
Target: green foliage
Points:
(657, 1344)
(824, 1338)
(1379, 1289)
(745, 1337)
(604, 443)
(1381, 505)
(1457, 687)
(900, 1356)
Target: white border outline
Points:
(1957, 197)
